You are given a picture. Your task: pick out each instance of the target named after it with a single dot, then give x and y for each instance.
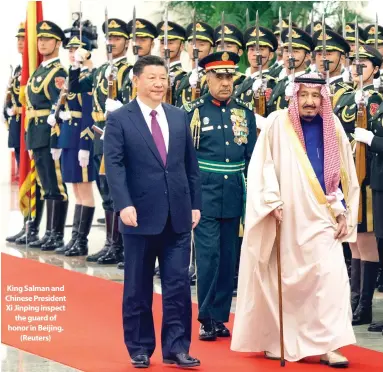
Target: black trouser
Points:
(49, 173)
(216, 244)
(173, 252)
(17, 156)
(102, 185)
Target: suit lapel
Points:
(140, 123)
(172, 131)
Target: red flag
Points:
(31, 60)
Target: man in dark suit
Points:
(154, 178)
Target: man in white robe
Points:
(312, 190)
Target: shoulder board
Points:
(371, 91)
(269, 77)
(194, 104)
(345, 86)
(58, 64)
(247, 105)
(179, 72)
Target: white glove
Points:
(257, 85)
(65, 115)
(10, 111)
(346, 75)
(112, 105)
(171, 78)
(260, 121)
(289, 89)
(80, 55)
(56, 153)
(361, 96)
(376, 83)
(363, 135)
(131, 74)
(51, 120)
(193, 78)
(83, 158)
(102, 136)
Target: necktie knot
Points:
(153, 113)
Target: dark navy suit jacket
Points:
(137, 176)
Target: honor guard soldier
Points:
(224, 134)
(97, 82)
(350, 35)
(42, 92)
(76, 142)
(369, 31)
(204, 36)
(176, 44)
(232, 42)
(268, 44)
(302, 46)
(336, 50)
(12, 114)
(365, 260)
(277, 67)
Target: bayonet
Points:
(347, 62)
(247, 19)
(326, 62)
(290, 49)
(257, 46)
(280, 21)
(134, 36)
(260, 98)
(197, 89)
(168, 95)
(312, 22)
(376, 32)
(222, 31)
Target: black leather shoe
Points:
(221, 330)
(183, 360)
(376, 327)
(101, 221)
(207, 332)
(141, 361)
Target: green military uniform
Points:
(224, 133)
(42, 92)
(300, 40)
(266, 39)
(183, 91)
(176, 72)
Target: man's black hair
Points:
(147, 61)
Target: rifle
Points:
(290, 50)
(222, 31)
(376, 44)
(61, 101)
(312, 22)
(348, 80)
(259, 97)
(168, 95)
(280, 22)
(8, 92)
(135, 50)
(112, 78)
(361, 122)
(325, 61)
(196, 92)
(247, 19)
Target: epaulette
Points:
(179, 72)
(372, 91)
(194, 104)
(345, 86)
(57, 64)
(247, 105)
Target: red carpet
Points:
(92, 339)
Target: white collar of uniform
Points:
(146, 110)
(118, 59)
(256, 73)
(335, 78)
(381, 72)
(175, 63)
(290, 77)
(280, 63)
(46, 63)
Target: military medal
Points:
(206, 120)
(240, 129)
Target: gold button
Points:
(227, 161)
(227, 143)
(223, 110)
(225, 126)
(219, 127)
(41, 121)
(225, 177)
(86, 138)
(75, 124)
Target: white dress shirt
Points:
(47, 62)
(161, 118)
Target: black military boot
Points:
(80, 248)
(76, 222)
(355, 283)
(363, 313)
(31, 235)
(114, 254)
(379, 283)
(108, 241)
(12, 239)
(56, 239)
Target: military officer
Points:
(12, 114)
(365, 260)
(233, 42)
(277, 69)
(302, 46)
(268, 46)
(97, 82)
(336, 49)
(224, 135)
(204, 43)
(176, 44)
(76, 141)
(42, 92)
